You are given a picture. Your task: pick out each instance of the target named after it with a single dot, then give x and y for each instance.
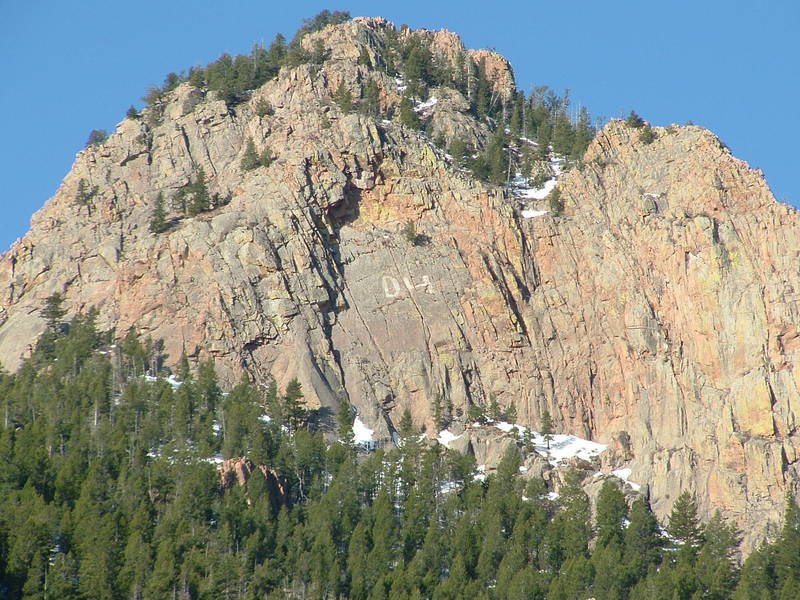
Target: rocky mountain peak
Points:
(656, 313)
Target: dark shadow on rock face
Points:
(322, 419)
(347, 210)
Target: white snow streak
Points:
(361, 432)
(423, 106)
(170, 380)
(562, 446)
(507, 427)
(532, 214)
(538, 193)
(446, 437)
(624, 474)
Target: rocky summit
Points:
(656, 312)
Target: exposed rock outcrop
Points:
(238, 471)
(659, 313)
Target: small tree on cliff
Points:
(85, 193)
(647, 135)
(197, 194)
(54, 311)
(555, 203)
(97, 137)
(250, 158)
(547, 428)
(266, 157)
(408, 116)
(158, 219)
(634, 120)
(343, 98)
(345, 420)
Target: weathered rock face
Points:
(658, 314)
(239, 471)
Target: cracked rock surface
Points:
(658, 314)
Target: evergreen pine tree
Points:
(384, 538)
(85, 194)
(370, 97)
(647, 135)
(758, 578)
(357, 557)
(62, 578)
(158, 218)
(345, 422)
(263, 108)
(54, 311)
(511, 413)
(634, 120)
(611, 512)
(408, 117)
(250, 158)
(34, 586)
(266, 157)
(543, 138)
(643, 539)
(184, 373)
(562, 135)
(494, 408)
(496, 157)
(787, 550)
(317, 52)
(583, 134)
(363, 57)
(294, 408)
(516, 122)
(417, 67)
(609, 575)
(97, 137)
(458, 151)
(453, 587)
(199, 198)
(574, 520)
(684, 525)
(554, 202)
(343, 98)
(715, 568)
(546, 428)
(574, 581)
(482, 101)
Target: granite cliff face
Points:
(658, 314)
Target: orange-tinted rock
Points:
(659, 314)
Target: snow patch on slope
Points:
(561, 447)
(446, 437)
(423, 106)
(361, 433)
(170, 380)
(532, 214)
(520, 187)
(624, 474)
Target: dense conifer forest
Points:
(116, 461)
(110, 488)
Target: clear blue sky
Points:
(729, 65)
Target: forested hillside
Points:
(113, 486)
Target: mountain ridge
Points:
(652, 314)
